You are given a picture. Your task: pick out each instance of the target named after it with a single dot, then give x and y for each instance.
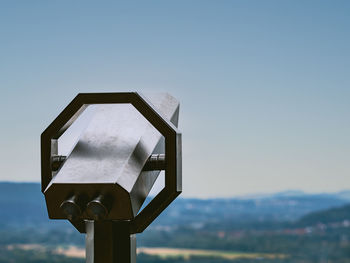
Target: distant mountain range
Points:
(23, 204)
(345, 195)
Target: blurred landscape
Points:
(283, 227)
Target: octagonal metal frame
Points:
(173, 169)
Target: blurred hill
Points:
(333, 215)
(23, 204)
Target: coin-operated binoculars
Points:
(101, 185)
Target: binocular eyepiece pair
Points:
(97, 209)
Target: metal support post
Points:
(110, 242)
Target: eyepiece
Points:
(98, 208)
(71, 208)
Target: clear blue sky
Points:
(264, 85)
